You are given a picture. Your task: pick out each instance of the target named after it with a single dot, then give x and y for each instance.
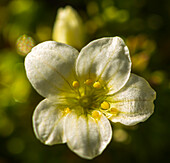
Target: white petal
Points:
(86, 136)
(49, 67)
(134, 101)
(106, 59)
(48, 123)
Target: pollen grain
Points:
(96, 114)
(97, 85)
(105, 105)
(88, 82)
(67, 110)
(75, 84)
(114, 111)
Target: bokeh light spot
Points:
(120, 135)
(15, 145)
(24, 44)
(6, 125)
(92, 8)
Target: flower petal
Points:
(106, 59)
(49, 67)
(134, 102)
(48, 123)
(86, 136)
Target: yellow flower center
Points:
(85, 101)
(87, 97)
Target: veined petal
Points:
(106, 59)
(49, 67)
(86, 136)
(49, 122)
(134, 102)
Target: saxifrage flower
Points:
(83, 90)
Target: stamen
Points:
(75, 84)
(105, 105)
(67, 110)
(114, 111)
(97, 85)
(88, 82)
(96, 114)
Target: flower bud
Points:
(68, 28)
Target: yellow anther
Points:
(75, 84)
(97, 85)
(96, 114)
(88, 82)
(105, 105)
(67, 110)
(114, 111)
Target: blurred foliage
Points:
(145, 27)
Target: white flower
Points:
(83, 90)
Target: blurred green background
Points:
(143, 24)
